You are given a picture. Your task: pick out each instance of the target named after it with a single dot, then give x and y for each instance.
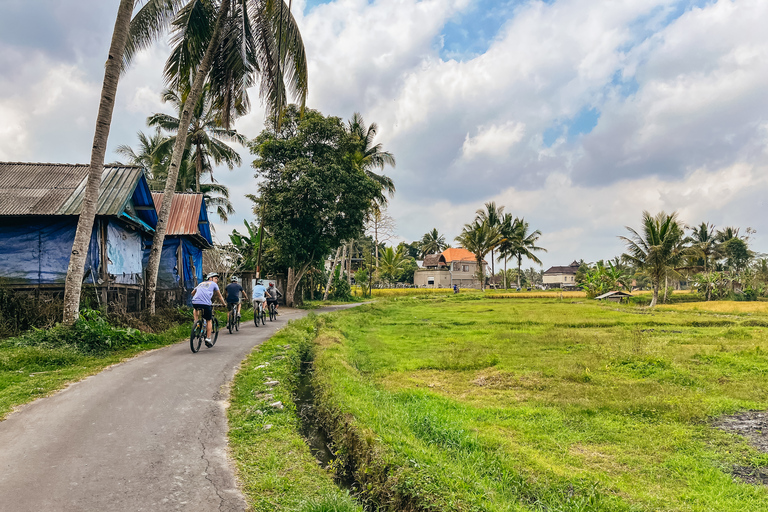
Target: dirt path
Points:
(145, 435)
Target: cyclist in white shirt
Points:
(201, 300)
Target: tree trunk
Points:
(153, 265)
(493, 269)
(344, 262)
(198, 168)
(74, 280)
(505, 275)
(294, 278)
(482, 273)
(519, 266)
(666, 285)
(349, 264)
(330, 276)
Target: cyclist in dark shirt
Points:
(234, 291)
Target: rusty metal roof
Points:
(189, 215)
(59, 189)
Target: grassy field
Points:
(466, 403)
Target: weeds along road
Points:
(145, 435)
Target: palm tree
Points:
(225, 45)
(392, 263)
(524, 245)
(370, 156)
(656, 248)
(704, 243)
(493, 216)
(151, 154)
(74, 281)
(432, 243)
(479, 238)
(206, 134)
(506, 247)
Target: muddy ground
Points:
(753, 425)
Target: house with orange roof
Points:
(460, 269)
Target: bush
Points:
(90, 334)
(20, 312)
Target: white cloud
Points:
(493, 141)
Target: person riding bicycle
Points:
(272, 294)
(201, 300)
(258, 295)
(234, 291)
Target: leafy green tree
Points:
(704, 245)
(656, 248)
(312, 195)
(411, 250)
(479, 238)
(432, 243)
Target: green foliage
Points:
(340, 289)
(313, 195)
(20, 312)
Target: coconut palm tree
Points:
(432, 243)
(206, 136)
(74, 281)
(151, 154)
(524, 244)
(392, 263)
(656, 248)
(493, 216)
(226, 43)
(704, 244)
(370, 156)
(479, 238)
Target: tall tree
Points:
(507, 245)
(74, 280)
(312, 195)
(704, 244)
(656, 247)
(494, 216)
(479, 238)
(207, 137)
(370, 156)
(392, 263)
(524, 245)
(432, 243)
(224, 44)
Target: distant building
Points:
(455, 266)
(561, 277)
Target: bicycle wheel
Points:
(272, 313)
(256, 315)
(197, 336)
(263, 317)
(237, 321)
(214, 331)
(230, 320)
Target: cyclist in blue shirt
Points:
(259, 294)
(201, 299)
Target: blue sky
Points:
(576, 114)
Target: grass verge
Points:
(529, 405)
(275, 466)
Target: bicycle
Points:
(199, 331)
(233, 320)
(272, 312)
(259, 314)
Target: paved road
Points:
(145, 435)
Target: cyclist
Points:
(234, 291)
(201, 300)
(259, 292)
(272, 294)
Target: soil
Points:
(753, 425)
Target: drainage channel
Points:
(318, 441)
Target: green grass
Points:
(463, 403)
(30, 370)
(275, 466)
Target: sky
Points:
(577, 115)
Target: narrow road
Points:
(148, 434)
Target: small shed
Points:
(434, 261)
(188, 234)
(39, 208)
(614, 296)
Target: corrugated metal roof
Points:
(58, 189)
(188, 216)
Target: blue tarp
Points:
(168, 275)
(192, 276)
(36, 251)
